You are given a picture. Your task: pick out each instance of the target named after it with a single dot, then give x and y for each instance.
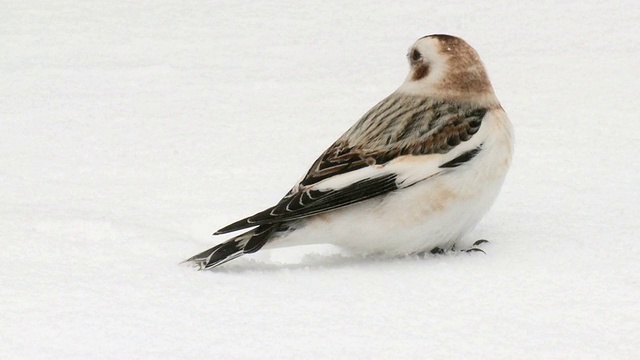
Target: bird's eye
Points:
(415, 55)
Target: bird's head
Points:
(444, 66)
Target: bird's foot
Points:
(437, 251)
(440, 251)
(475, 248)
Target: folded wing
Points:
(366, 162)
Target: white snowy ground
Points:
(130, 131)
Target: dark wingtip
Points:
(238, 225)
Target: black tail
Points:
(246, 243)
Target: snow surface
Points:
(130, 131)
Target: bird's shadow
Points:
(310, 261)
(314, 261)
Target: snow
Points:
(130, 131)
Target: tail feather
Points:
(246, 243)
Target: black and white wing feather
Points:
(370, 159)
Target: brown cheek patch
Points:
(420, 72)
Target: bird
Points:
(413, 175)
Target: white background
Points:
(130, 131)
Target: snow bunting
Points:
(414, 174)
